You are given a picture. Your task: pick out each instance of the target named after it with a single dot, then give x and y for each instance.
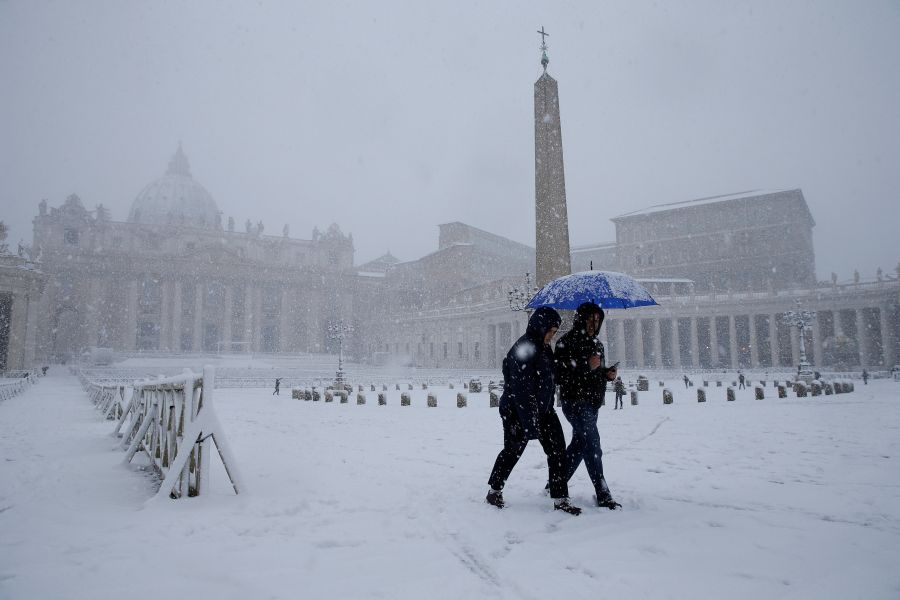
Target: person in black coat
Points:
(526, 410)
(583, 374)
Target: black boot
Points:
(564, 505)
(495, 498)
(604, 497)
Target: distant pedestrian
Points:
(741, 381)
(526, 410)
(277, 387)
(865, 376)
(619, 388)
(686, 380)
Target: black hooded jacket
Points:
(529, 382)
(578, 383)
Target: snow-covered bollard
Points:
(838, 387)
(409, 386)
(718, 384)
(667, 396)
(782, 391)
(342, 396)
(800, 389)
(360, 388)
(759, 392)
(775, 383)
(384, 387)
(662, 384)
(465, 385)
(360, 398)
(827, 388)
(734, 384)
(398, 387)
(432, 400)
(296, 394)
(372, 388)
(815, 388)
(849, 387)
(424, 386)
(762, 383)
(729, 394)
(329, 396)
(461, 400)
(382, 399)
(494, 400)
(404, 399)
(315, 395)
(450, 385)
(705, 383)
(634, 398)
(643, 384)
(701, 394)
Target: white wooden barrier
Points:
(13, 387)
(172, 421)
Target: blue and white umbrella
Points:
(605, 288)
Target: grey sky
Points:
(392, 117)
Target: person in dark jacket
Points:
(619, 388)
(582, 370)
(277, 387)
(526, 410)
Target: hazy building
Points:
(748, 241)
(21, 286)
(173, 279)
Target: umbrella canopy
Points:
(606, 288)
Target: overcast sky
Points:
(392, 117)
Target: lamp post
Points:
(338, 330)
(520, 297)
(801, 319)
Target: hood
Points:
(543, 319)
(582, 314)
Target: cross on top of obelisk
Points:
(544, 59)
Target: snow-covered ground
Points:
(793, 498)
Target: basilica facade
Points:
(174, 278)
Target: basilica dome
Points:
(176, 199)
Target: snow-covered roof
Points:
(663, 280)
(597, 246)
(700, 202)
(369, 274)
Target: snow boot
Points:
(495, 498)
(604, 498)
(564, 505)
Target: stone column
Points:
(176, 318)
(226, 326)
(257, 319)
(129, 340)
(862, 338)
(713, 342)
(887, 337)
(248, 316)
(198, 317)
(754, 346)
(795, 345)
(676, 343)
(773, 340)
(695, 344)
(817, 342)
(620, 340)
(639, 343)
(732, 339)
(165, 315)
(284, 313)
(656, 331)
(94, 308)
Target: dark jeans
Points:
(618, 400)
(585, 444)
(551, 437)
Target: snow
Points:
(700, 202)
(793, 498)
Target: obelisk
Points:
(551, 218)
